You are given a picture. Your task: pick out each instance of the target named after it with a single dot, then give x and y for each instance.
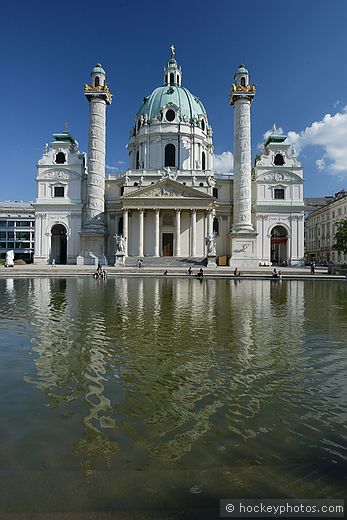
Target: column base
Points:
(92, 247)
(211, 261)
(244, 250)
(119, 260)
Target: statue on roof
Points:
(172, 51)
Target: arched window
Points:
(201, 184)
(178, 79)
(203, 127)
(60, 158)
(170, 155)
(166, 78)
(243, 82)
(215, 192)
(172, 78)
(279, 159)
(137, 160)
(138, 125)
(203, 161)
(97, 81)
(215, 226)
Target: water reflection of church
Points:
(170, 200)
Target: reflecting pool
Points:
(159, 396)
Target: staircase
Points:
(166, 261)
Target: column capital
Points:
(156, 210)
(178, 210)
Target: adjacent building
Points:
(320, 227)
(17, 229)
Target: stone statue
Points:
(46, 148)
(211, 245)
(9, 260)
(120, 244)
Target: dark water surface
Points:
(164, 395)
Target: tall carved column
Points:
(141, 232)
(157, 231)
(178, 232)
(98, 96)
(244, 245)
(193, 232)
(242, 165)
(93, 234)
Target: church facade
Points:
(169, 202)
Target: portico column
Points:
(193, 232)
(209, 222)
(178, 232)
(156, 243)
(141, 232)
(125, 230)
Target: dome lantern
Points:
(241, 76)
(172, 73)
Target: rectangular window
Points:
(215, 192)
(58, 191)
(279, 193)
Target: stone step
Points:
(166, 261)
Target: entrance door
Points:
(279, 250)
(59, 244)
(167, 244)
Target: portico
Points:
(166, 219)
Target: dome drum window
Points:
(170, 155)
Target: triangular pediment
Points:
(167, 189)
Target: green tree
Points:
(341, 238)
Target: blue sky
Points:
(295, 52)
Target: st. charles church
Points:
(169, 202)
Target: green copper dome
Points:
(98, 69)
(241, 70)
(189, 105)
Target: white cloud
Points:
(112, 168)
(223, 163)
(115, 169)
(331, 134)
